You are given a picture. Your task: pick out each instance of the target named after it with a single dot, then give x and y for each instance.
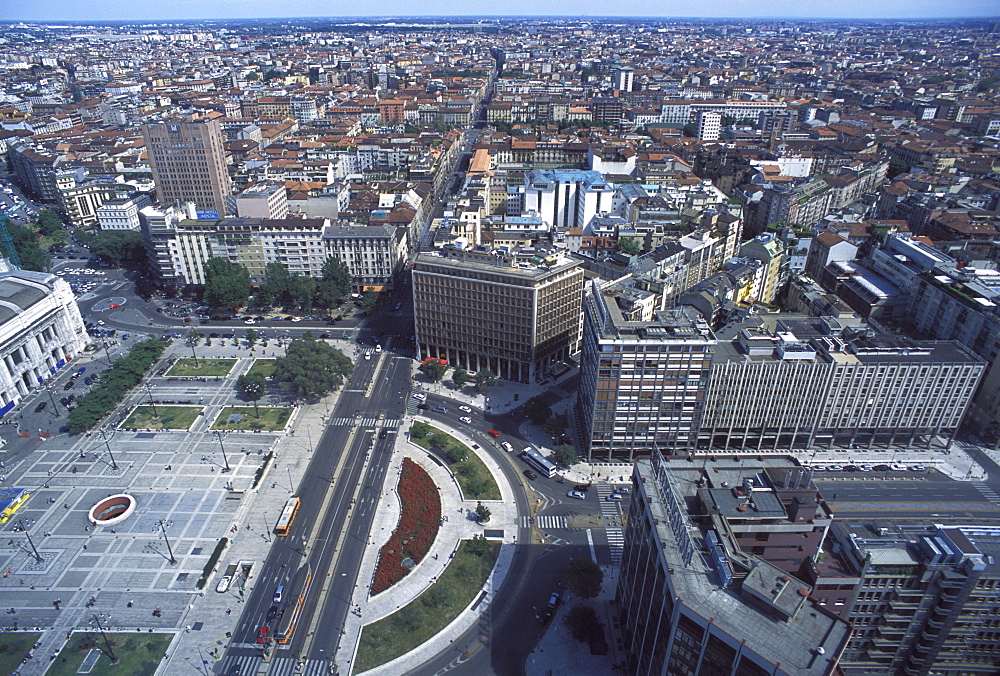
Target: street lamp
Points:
(52, 399)
(111, 652)
(150, 393)
(267, 527)
(170, 550)
(218, 433)
(114, 464)
(38, 557)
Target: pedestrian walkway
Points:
(987, 492)
(289, 666)
(545, 522)
(241, 664)
(349, 421)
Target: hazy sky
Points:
(55, 10)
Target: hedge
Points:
(212, 560)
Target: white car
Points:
(467, 420)
(897, 467)
(465, 408)
(250, 321)
(368, 356)
(507, 447)
(419, 396)
(917, 468)
(223, 584)
(577, 494)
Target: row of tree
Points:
(228, 286)
(482, 379)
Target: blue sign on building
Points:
(207, 214)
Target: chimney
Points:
(788, 479)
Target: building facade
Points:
(188, 162)
(490, 311)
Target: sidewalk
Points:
(459, 523)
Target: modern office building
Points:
(924, 598)
(188, 162)
(723, 611)
(569, 198)
(768, 383)
(624, 79)
(709, 126)
(40, 332)
(486, 309)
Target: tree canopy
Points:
(484, 379)
(434, 370)
(584, 578)
(538, 411)
(460, 377)
(565, 455)
(312, 367)
(227, 285)
(26, 244)
(582, 622)
(334, 284)
(252, 387)
(629, 245)
(49, 222)
(118, 247)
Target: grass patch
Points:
(204, 368)
(170, 417)
(432, 611)
(271, 418)
(265, 367)
(138, 654)
(13, 647)
(471, 472)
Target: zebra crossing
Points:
(350, 421)
(244, 665)
(609, 509)
(987, 492)
(616, 543)
(286, 666)
(545, 522)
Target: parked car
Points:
(553, 600)
(440, 409)
(622, 489)
(41, 406)
(917, 468)
(224, 583)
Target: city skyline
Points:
(107, 10)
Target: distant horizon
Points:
(101, 11)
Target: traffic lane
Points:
(898, 491)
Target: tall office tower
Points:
(692, 602)
(188, 162)
(709, 126)
(487, 310)
(624, 79)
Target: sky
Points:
(88, 10)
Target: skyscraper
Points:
(188, 162)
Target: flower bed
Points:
(419, 521)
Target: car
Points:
(249, 321)
(623, 490)
(88, 381)
(835, 468)
(419, 396)
(279, 594)
(272, 613)
(467, 409)
(493, 433)
(80, 371)
(324, 336)
(507, 447)
(466, 419)
(850, 468)
(64, 401)
(378, 348)
(897, 467)
(100, 322)
(69, 385)
(881, 468)
(214, 335)
(531, 475)
(439, 409)
(383, 433)
(865, 468)
(423, 407)
(398, 305)
(368, 356)
(917, 468)
(583, 488)
(613, 497)
(64, 429)
(224, 583)
(553, 600)
(576, 494)
(262, 636)
(818, 468)
(41, 406)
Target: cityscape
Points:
(500, 344)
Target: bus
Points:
(289, 618)
(287, 516)
(539, 462)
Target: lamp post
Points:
(170, 550)
(114, 464)
(267, 528)
(111, 652)
(152, 405)
(38, 557)
(224, 458)
(52, 399)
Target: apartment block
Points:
(483, 309)
(188, 162)
(122, 213)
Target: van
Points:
(440, 409)
(279, 594)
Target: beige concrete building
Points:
(188, 162)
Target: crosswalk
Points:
(609, 509)
(347, 421)
(987, 492)
(616, 542)
(287, 666)
(240, 665)
(545, 522)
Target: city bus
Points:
(287, 516)
(535, 459)
(286, 626)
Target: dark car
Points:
(423, 407)
(272, 613)
(88, 381)
(213, 335)
(583, 488)
(531, 475)
(64, 429)
(324, 335)
(383, 433)
(69, 385)
(41, 406)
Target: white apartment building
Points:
(562, 198)
(122, 213)
(40, 332)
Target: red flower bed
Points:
(419, 521)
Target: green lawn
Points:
(473, 477)
(170, 417)
(265, 367)
(13, 647)
(430, 612)
(271, 418)
(204, 368)
(138, 654)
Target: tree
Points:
(251, 337)
(538, 410)
(565, 455)
(118, 247)
(193, 339)
(460, 377)
(478, 545)
(49, 222)
(312, 367)
(277, 285)
(482, 513)
(25, 243)
(302, 290)
(584, 577)
(582, 622)
(629, 245)
(252, 387)
(554, 427)
(334, 284)
(369, 301)
(484, 380)
(227, 285)
(433, 369)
